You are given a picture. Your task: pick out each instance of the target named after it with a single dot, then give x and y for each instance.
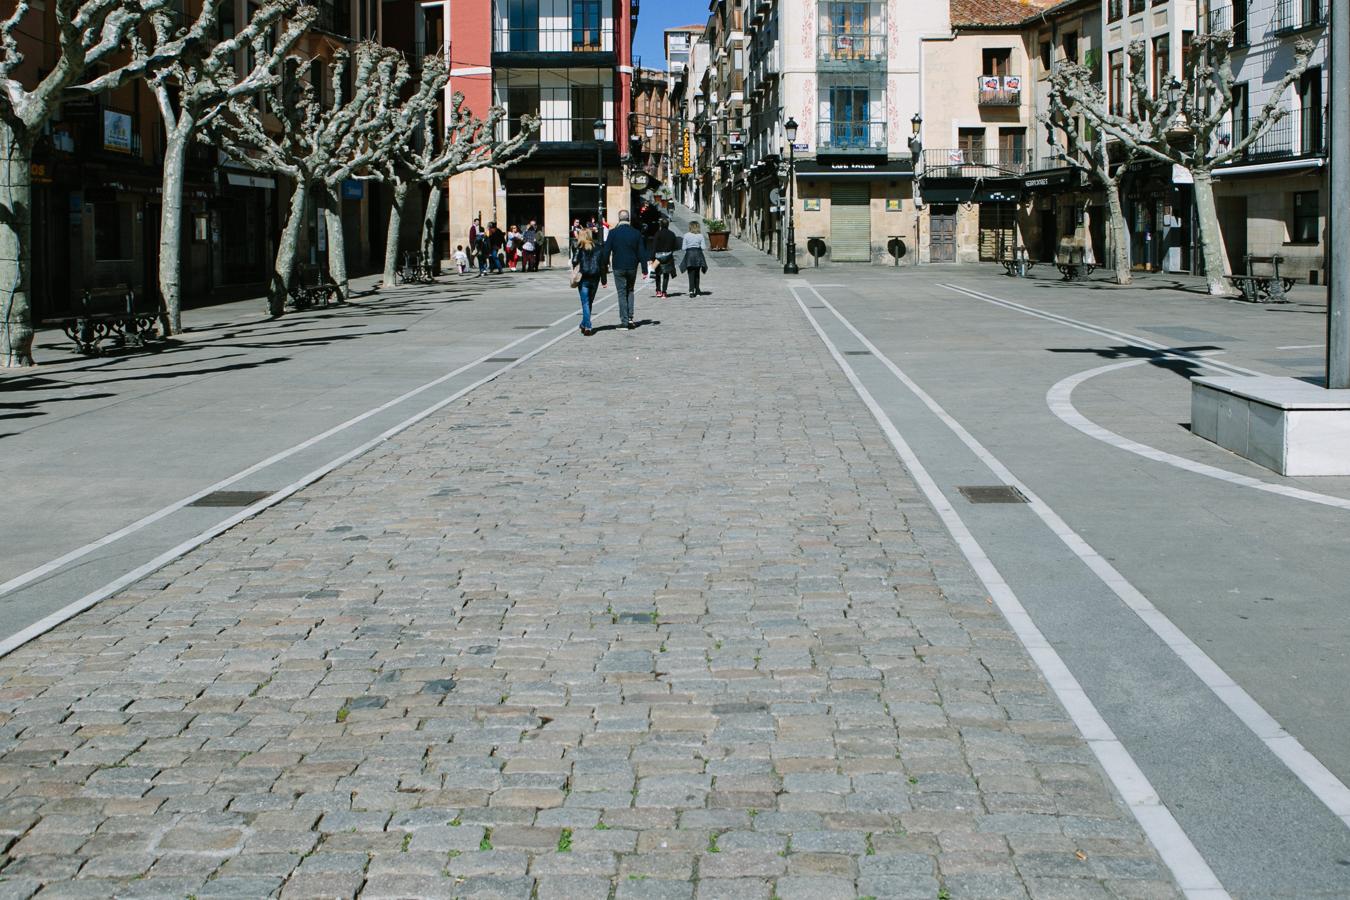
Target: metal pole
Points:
(790, 267)
(1338, 224)
(600, 184)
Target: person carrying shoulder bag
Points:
(665, 246)
(588, 273)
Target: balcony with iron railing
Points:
(850, 136)
(851, 51)
(1298, 135)
(977, 162)
(1298, 15)
(1000, 96)
(1220, 18)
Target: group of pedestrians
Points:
(496, 251)
(624, 250)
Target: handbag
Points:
(575, 280)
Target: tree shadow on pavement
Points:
(1162, 359)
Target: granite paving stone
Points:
(655, 614)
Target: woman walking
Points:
(694, 263)
(665, 245)
(588, 273)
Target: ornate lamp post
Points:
(600, 169)
(790, 131)
(916, 162)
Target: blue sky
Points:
(654, 17)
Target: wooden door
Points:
(942, 233)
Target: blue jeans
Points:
(489, 259)
(588, 288)
(624, 282)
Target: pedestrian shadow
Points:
(1162, 359)
(640, 323)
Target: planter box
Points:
(717, 240)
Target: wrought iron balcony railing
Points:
(998, 97)
(1297, 135)
(1296, 15)
(843, 50)
(959, 162)
(850, 136)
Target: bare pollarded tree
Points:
(98, 47)
(319, 143)
(1072, 87)
(192, 87)
(1188, 123)
(431, 156)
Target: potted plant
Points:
(717, 233)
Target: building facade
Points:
(97, 184)
(1273, 200)
(568, 63)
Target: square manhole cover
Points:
(992, 493)
(231, 498)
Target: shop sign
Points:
(116, 131)
(37, 173)
(353, 189)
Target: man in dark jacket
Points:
(625, 251)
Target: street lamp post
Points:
(790, 130)
(600, 170)
(916, 162)
(1338, 225)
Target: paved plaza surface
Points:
(705, 609)
(656, 614)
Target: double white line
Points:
(21, 637)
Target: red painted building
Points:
(568, 62)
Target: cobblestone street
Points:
(658, 614)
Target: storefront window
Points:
(1303, 229)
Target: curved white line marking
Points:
(1060, 400)
(1196, 879)
(1325, 786)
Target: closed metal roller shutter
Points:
(850, 223)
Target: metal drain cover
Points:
(992, 493)
(231, 498)
(857, 352)
(502, 359)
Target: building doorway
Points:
(524, 202)
(942, 232)
(1049, 235)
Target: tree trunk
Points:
(337, 244)
(16, 247)
(171, 226)
(283, 272)
(1211, 237)
(430, 221)
(391, 240)
(1120, 235)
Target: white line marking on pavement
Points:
(1060, 400)
(47, 568)
(21, 637)
(1302, 347)
(1101, 330)
(1193, 874)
